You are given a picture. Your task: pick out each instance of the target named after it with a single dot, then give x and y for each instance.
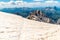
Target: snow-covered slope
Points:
(10, 26)
(13, 27)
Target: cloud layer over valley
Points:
(13, 4)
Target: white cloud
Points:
(13, 4)
(51, 1)
(42, 4)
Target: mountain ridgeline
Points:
(50, 12)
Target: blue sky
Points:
(6, 0)
(39, 0)
(28, 0)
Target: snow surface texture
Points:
(13, 27)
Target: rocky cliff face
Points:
(13, 27)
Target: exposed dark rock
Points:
(39, 16)
(58, 21)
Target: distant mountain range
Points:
(53, 12)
